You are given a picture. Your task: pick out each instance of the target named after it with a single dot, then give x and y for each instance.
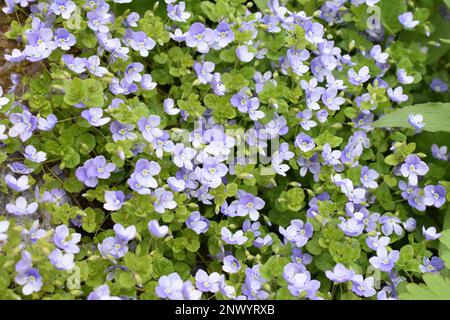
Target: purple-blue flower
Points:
(170, 286)
(60, 260)
(94, 117)
(113, 200)
(340, 274)
(200, 37)
(430, 233)
(31, 281)
(156, 230)
(21, 207)
(407, 20)
(412, 168)
(65, 242)
(197, 222)
(207, 283)
(297, 232)
(384, 261)
(230, 238)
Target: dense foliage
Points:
(225, 149)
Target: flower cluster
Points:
(227, 149)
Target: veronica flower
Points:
(438, 85)
(19, 168)
(204, 71)
(93, 66)
(176, 12)
(397, 95)
(217, 84)
(363, 287)
(306, 121)
(64, 39)
(3, 136)
(244, 54)
(211, 173)
(416, 121)
(156, 230)
(31, 281)
(169, 107)
(19, 184)
(230, 238)
(410, 224)
(207, 283)
(313, 32)
(100, 168)
(385, 261)
(368, 177)
(133, 71)
(189, 292)
(412, 168)
(222, 35)
(15, 56)
(144, 172)
(340, 274)
(94, 117)
(297, 232)
(182, 156)
(23, 125)
(98, 20)
(199, 37)
(352, 227)
(304, 142)
(402, 77)
(21, 207)
(114, 200)
(299, 280)
(377, 54)
(132, 19)
(377, 242)
(430, 233)
(62, 241)
(4, 225)
(434, 265)
(10, 7)
(390, 225)
(64, 8)
(77, 65)
(197, 222)
(164, 200)
(113, 248)
(434, 196)
(330, 99)
(406, 19)
(101, 293)
(48, 124)
(61, 261)
(440, 153)
(170, 287)
(149, 127)
(231, 264)
(124, 234)
(122, 131)
(360, 77)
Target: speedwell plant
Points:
(225, 149)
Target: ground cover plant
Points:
(225, 149)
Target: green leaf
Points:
(390, 10)
(447, 2)
(293, 199)
(88, 92)
(435, 288)
(436, 117)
